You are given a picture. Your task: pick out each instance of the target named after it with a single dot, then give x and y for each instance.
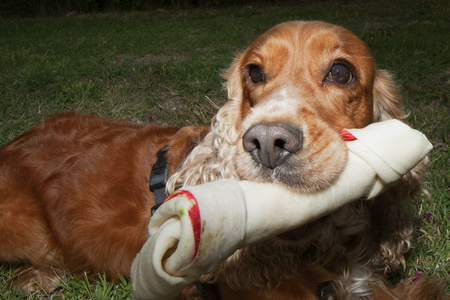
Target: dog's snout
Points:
(272, 144)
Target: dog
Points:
(74, 190)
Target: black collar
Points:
(158, 178)
(158, 181)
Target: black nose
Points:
(272, 144)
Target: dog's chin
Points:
(296, 180)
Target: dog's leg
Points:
(25, 235)
(31, 279)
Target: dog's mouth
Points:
(297, 233)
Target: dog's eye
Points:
(256, 74)
(340, 73)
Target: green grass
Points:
(159, 66)
(71, 288)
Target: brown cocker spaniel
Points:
(74, 191)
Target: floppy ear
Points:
(213, 158)
(390, 216)
(387, 101)
(233, 80)
(230, 113)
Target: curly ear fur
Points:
(390, 219)
(213, 158)
(391, 225)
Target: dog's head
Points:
(291, 91)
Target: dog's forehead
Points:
(301, 38)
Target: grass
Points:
(71, 288)
(159, 66)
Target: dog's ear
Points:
(230, 113)
(212, 158)
(232, 75)
(391, 224)
(387, 100)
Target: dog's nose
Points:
(272, 144)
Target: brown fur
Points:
(74, 191)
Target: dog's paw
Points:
(29, 279)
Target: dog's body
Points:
(74, 191)
(78, 185)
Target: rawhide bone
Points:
(200, 226)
